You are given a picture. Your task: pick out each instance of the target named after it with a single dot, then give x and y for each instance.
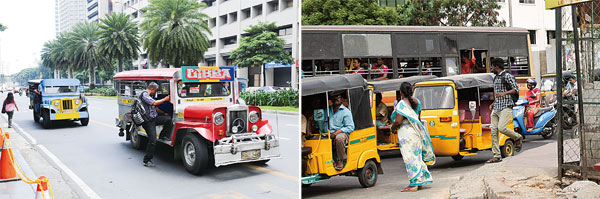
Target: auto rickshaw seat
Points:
(486, 112)
(464, 113)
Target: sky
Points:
(29, 23)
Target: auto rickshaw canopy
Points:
(323, 84)
(394, 84)
(476, 80)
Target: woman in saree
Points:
(413, 139)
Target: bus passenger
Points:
(427, 69)
(349, 65)
(468, 64)
(379, 70)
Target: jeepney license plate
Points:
(251, 155)
(68, 111)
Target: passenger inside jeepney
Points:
(201, 89)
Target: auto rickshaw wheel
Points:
(457, 157)
(194, 154)
(508, 149)
(46, 119)
(137, 141)
(368, 175)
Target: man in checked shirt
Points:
(502, 108)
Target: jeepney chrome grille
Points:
(67, 104)
(237, 119)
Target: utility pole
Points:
(510, 15)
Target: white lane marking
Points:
(284, 138)
(85, 188)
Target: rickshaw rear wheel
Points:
(194, 153)
(368, 174)
(457, 157)
(508, 149)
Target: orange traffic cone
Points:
(7, 168)
(1, 138)
(42, 188)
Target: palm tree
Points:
(46, 55)
(54, 55)
(84, 51)
(119, 38)
(174, 32)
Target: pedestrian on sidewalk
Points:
(505, 86)
(413, 138)
(8, 107)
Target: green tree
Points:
(2, 27)
(54, 54)
(471, 13)
(420, 13)
(347, 12)
(84, 50)
(262, 45)
(174, 32)
(119, 38)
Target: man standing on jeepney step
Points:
(502, 108)
(155, 119)
(341, 125)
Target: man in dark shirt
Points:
(155, 119)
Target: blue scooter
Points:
(544, 121)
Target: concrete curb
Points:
(280, 112)
(75, 182)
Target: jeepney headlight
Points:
(254, 128)
(253, 117)
(77, 102)
(56, 103)
(219, 118)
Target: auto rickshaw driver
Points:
(341, 124)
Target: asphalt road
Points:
(112, 169)
(389, 185)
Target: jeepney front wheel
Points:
(368, 175)
(194, 154)
(84, 121)
(137, 141)
(46, 119)
(508, 149)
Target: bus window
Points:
(451, 66)
(431, 66)
(327, 66)
(519, 66)
(307, 68)
(408, 67)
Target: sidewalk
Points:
(530, 174)
(34, 165)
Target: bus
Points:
(414, 50)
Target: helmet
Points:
(532, 81)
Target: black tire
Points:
(194, 153)
(46, 119)
(457, 157)
(137, 141)
(36, 117)
(548, 135)
(304, 186)
(508, 149)
(84, 121)
(367, 175)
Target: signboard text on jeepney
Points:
(550, 4)
(207, 74)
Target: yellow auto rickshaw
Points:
(318, 153)
(389, 90)
(456, 110)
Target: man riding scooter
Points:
(533, 96)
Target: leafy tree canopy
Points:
(2, 27)
(347, 12)
(262, 45)
(450, 13)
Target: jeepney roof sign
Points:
(550, 4)
(207, 73)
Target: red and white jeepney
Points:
(212, 125)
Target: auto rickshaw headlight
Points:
(219, 118)
(253, 117)
(77, 102)
(56, 103)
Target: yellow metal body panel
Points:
(66, 116)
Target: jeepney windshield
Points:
(60, 89)
(548, 84)
(211, 89)
(435, 97)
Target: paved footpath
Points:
(530, 174)
(31, 160)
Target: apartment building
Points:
(68, 13)
(97, 9)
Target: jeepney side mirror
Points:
(241, 101)
(473, 109)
